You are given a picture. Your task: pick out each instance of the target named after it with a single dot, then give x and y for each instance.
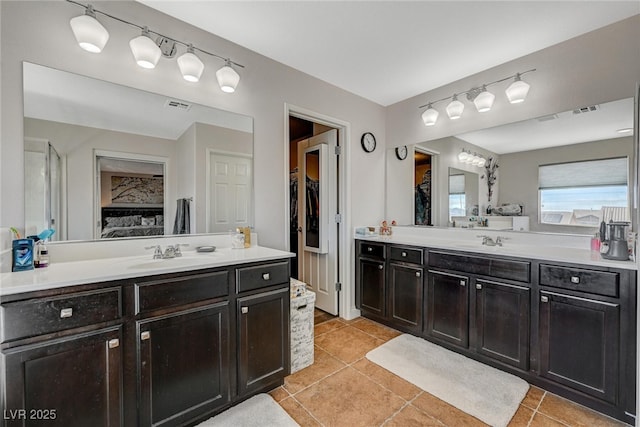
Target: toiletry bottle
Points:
(42, 255)
(595, 242)
(22, 255)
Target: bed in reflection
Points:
(132, 222)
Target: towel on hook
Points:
(182, 223)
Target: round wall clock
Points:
(401, 152)
(368, 142)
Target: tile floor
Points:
(342, 388)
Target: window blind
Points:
(456, 184)
(591, 173)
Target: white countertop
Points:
(63, 274)
(512, 246)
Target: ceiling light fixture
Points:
(480, 96)
(89, 33)
(474, 159)
(92, 36)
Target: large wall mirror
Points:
(568, 141)
(100, 155)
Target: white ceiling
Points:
(388, 51)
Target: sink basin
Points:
(185, 259)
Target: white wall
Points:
(39, 32)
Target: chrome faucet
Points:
(157, 254)
(488, 241)
(176, 249)
(170, 252)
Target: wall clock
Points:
(368, 142)
(401, 152)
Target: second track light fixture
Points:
(481, 98)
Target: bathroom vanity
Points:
(566, 326)
(146, 345)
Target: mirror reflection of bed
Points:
(131, 198)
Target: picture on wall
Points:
(137, 190)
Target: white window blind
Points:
(592, 173)
(456, 184)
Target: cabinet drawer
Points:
(579, 279)
(373, 250)
(179, 291)
(262, 276)
(412, 255)
(40, 316)
(493, 267)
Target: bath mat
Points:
(259, 411)
(486, 393)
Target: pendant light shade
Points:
(430, 116)
(455, 108)
(484, 100)
(227, 78)
(89, 33)
(190, 65)
(463, 156)
(517, 91)
(145, 51)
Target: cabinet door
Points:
(183, 364)
(579, 343)
(371, 285)
(263, 340)
(447, 308)
(72, 381)
(406, 289)
(502, 322)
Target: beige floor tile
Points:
(328, 326)
(573, 414)
(377, 330)
(347, 344)
(410, 416)
(540, 420)
(279, 394)
(533, 397)
(298, 413)
(378, 374)
(348, 398)
(522, 417)
(320, 316)
(444, 412)
(323, 365)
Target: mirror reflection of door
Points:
(457, 199)
(231, 191)
(423, 186)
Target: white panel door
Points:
(229, 202)
(320, 270)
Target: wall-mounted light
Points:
(92, 36)
(89, 33)
(473, 159)
(481, 98)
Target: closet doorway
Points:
(314, 214)
(424, 172)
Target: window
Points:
(583, 194)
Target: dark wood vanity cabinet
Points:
(371, 297)
(171, 349)
(406, 288)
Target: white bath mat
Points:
(259, 411)
(486, 393)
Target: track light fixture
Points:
(92, 36)
(481, 98)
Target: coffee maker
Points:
(614, 241)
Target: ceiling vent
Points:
(180, 105)
(547, 118)
(586, 109)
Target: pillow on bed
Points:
(124, 221)
(148, 220)
(159, 219)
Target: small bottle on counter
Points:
(595, 243)
(42, 255)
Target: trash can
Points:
(302, 307)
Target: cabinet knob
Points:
(66, 312)
(369, 249)
(404, 254)
(463, 283)
(380, 267)
(114, 343)
(145, 335)
(575, 279)
(266, 276)
(244, 310)
(418, 274)
(478, 286)
(544, 299)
